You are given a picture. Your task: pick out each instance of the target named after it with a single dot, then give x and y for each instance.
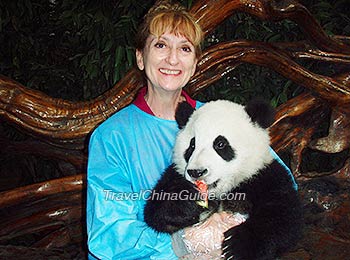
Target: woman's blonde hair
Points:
(166, 16)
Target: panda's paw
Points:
(237, 244)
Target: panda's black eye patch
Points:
(190, 149)
(223, 148)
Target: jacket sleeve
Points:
(277, 158)
(115, 225)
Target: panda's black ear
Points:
(183, 113)
(261, 112)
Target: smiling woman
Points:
(167, 50)
(169, 61)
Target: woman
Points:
(129, 151)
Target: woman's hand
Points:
(206, 238)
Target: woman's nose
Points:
(172, 57)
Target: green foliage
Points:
(333, 15)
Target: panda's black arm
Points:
(171, 205)
(275, 221)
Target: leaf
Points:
(118, 56)
(274, 38)
(108, 45)
(130, 57)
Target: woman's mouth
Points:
(170, 72)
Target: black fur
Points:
(190, 149)
(170, 213)
(261, 112)
(275, 217)
(223, 148)
(183, 113)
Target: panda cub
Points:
(227, 146)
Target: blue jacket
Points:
(127, 154)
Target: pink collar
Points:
(141, 103)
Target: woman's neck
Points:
(163, 104)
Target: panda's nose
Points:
(196, 173)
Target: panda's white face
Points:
(221, 146)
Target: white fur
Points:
(249, 141)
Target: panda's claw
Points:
(227, 255)
(227, 238)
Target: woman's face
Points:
(169, 61)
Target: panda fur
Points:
(227, 145)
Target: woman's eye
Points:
(186, 49)
(160, 45)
